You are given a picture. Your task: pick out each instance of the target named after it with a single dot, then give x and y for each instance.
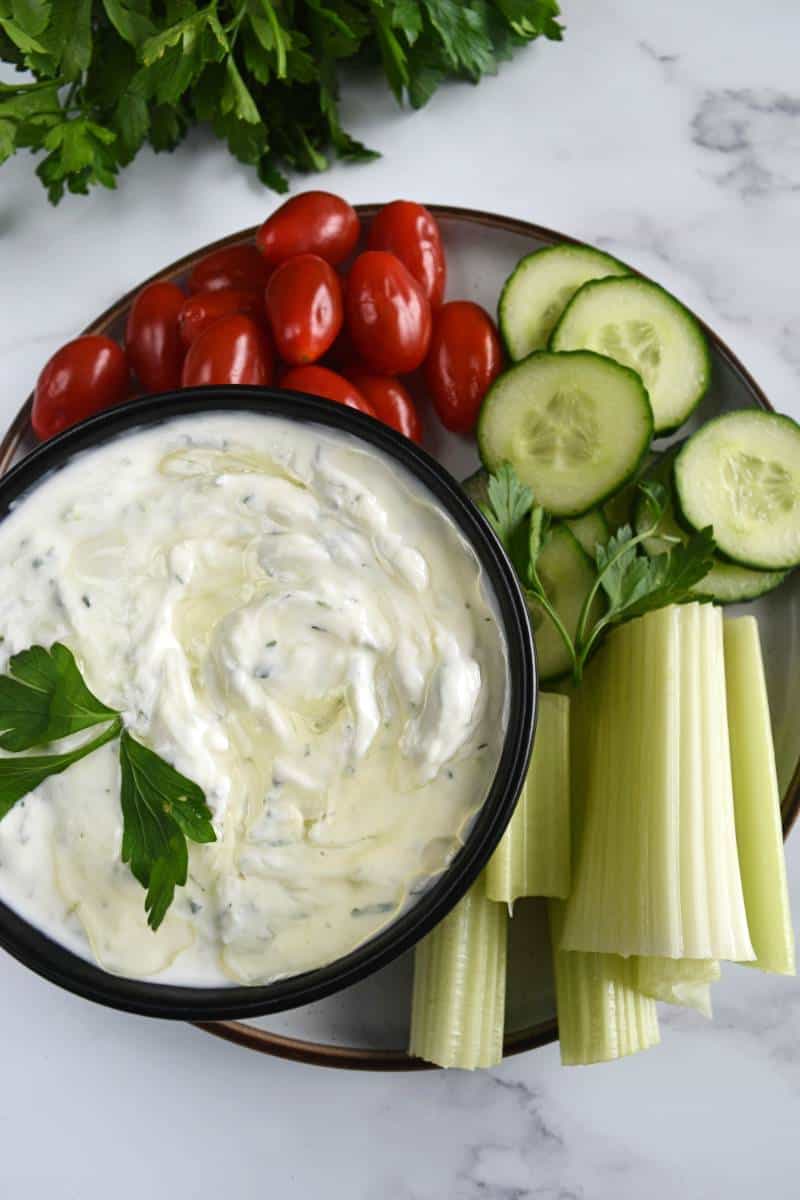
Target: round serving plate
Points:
(366, 1026)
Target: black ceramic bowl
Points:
(61, 966)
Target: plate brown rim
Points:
(317, 1053)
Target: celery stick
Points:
(757, 800)
(601, 1014)
(458, 1004)
(657, 873)
(533, 856)
(729, 936)
(682, 981)
(626, 891)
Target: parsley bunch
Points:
(44, 698)
(110, 75)
(633, 583)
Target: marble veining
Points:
(758, 132)
(669, 134)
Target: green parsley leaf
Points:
(668, 578)
(130, 19)
(407, 17)
(614, 561)
(139, 71)
(44, 698)
(509, 502)
(537, 535)
(20, 775)
(160, 809)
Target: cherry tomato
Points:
(388, 317)
(82, 378)
(319, 381)
(240, 267)
(465, 356)
(304, 308)
(152, 341)
(311, 223)
(232, 350)
(411, 233)
(390, 401)
(204, 308)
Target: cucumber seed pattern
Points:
(566, 432)
(759, 490)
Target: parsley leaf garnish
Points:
(509, 502)
(44, 699)
(634, 583)
(161, 809)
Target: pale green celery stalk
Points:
(682, 981)
(458, 1004)
(533, 858)
(729, 936)
(657, 874)
(757, 800)
(625, 897)
(601, 1013)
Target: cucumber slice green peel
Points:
(725, 583)
(575, 427)
(740, 473)
(639, 324)
(539, 289)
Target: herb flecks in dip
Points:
(294, 623)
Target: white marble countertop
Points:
(670, 134)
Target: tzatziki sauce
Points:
(289, 618)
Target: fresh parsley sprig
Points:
(110, 76)
(633, 583)
(44, 698)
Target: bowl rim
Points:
(36, 949)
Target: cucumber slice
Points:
(638, 324)
(740, 474)
(567, 573)
(590, 529)
(575, 427)
(619, 509)
(539, 289)
(726, 582)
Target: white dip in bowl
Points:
(293, 621)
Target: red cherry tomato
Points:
(464, 358)
(411, 233)
(311, 223)
(204, 308)
(240, 267)
(82, 378)
(319, 381)
(388, 317)
(232, 350)
(304, 308)
(390, 401)
(152, 341)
